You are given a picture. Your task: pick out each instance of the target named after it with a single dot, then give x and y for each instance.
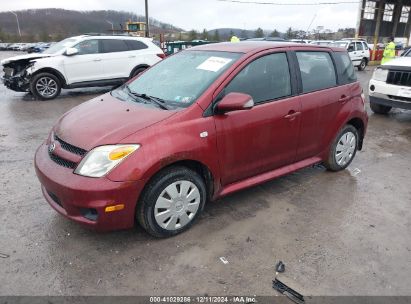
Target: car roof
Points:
(256, 46)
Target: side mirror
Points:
(235, 102)
(71, 51)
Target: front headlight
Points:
(380, 74)
(101, 160)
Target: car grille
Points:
(402, 78)
(68, 147)
(8, 72)
(61, 161)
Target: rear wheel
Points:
(137, 71)
(171, 202)
(363, 65)
(343, 149)
(45, 86)
(379, 109)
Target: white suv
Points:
(82, 61)
(390, 86)
(358, 50)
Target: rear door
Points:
(116, 59)
(352, 51)
(361, 51)
(321, 99)
(86, 64)
(255, 141)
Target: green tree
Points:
(290, 33)
(244, 34)
(204, 35)
(275, 33)
(259, 33)
(192, 35)
(216, 36)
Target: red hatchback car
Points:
(199, 125)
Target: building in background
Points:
(380, 19)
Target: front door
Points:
(264, 138)
(86, 65)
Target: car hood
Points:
(106, 120)
(27, 57)
(400, 62)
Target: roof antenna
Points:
(315, 16)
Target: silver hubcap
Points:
(345, 148)
(46, 86)
(177, 205)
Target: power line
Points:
(293, 4)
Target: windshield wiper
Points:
(158, 101)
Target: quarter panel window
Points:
(87, 47)
(265, 78)
(134, 45)
(317, 71)
(345, 68)
(113, 46)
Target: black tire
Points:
(40, 80)
(363, 64)
(145, 211)
(332, 163)
(379, 109)
(137, 71)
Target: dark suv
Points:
(203, 123)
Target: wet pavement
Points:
(345, 233)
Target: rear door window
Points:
(264, 79)
(359, 46)
(113, 46)
(317, 71)
(345, 68)
(365, 46)
(134, 45)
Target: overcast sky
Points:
(210, 14)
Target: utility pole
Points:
(112, 25)
(18, 24)
(147, 27)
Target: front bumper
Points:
(17, 83)
(388, 95)
(74, 196)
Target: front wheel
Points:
(379, 109)
(343, 149)
(45, 86)
(171, 202)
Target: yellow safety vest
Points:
(389, 52)
(235, 39)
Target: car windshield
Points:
(180, 79)
(340, 44)
(55, 48)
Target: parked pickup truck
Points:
(390, 86)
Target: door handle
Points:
(344, 99)
(292, 115)
(99, 59)
(132, 56)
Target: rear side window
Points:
(365, 46)
(113, 46)
(345, 68)
(265, 79)
(317, 71)
(359, 46)
(134, 45)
